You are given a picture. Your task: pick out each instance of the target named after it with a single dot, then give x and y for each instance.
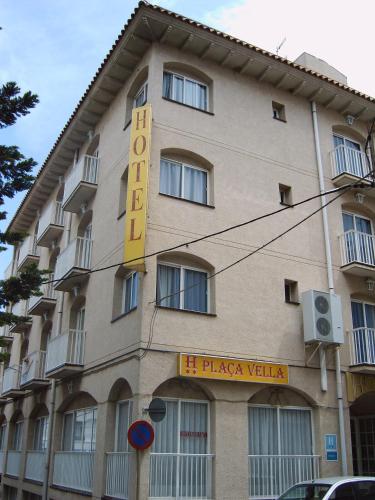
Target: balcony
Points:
(81, 184)
(362, 350)
(33, 371)
(8, 271)
(20, 309)
(65, 354)
(11, 382)
(35, 466)
(180, 475)
(271, 475)
(51, 224)
(41, 304)
(74, 469)
(5, 334)
(13, 463)
(29, 253)
(348, 165)
(73, 263)
(119, 470)
(357, 253)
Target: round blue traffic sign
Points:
(141, 434)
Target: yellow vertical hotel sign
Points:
(136, 200)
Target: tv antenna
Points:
(279, 46)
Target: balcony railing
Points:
(66, 349)
(76, 255)
(33, 367)
(74, 469)
(357, 247)
(20, 309)
(347, 160)
(179, 475)
(119, 471)
(35, 465)
(362, 346)
(51, 223)
(11, 379)
(13, 463)
(270, 475)
(29, 252)
(81, 183)
(5, 334)
(45, 301)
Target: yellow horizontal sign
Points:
(238, 370)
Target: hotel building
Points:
(230, 132)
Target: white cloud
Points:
(333, 30)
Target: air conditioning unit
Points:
(322, 317)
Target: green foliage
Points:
(15, 176)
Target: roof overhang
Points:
(149, 24)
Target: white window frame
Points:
(194, 167)
(363, 304)
(142, 89)
(17, 445)
(198, 401)
(354, 214)
(193, 80)
(182, 285)
(124, 287)
(45, 430)
(278, 408)
(118, 403)
(346, 138)
(73, 412)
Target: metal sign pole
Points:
(138, 485)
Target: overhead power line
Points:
(357, 184)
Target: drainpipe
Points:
(344, 465)
(51, 422)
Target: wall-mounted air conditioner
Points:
(322, 317)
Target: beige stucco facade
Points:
(246, 155)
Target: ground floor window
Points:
(40, 434)
(280, 449)
(79, 432)
(363, 441)
(180, 457)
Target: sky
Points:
(55, 47)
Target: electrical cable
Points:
(216, 233)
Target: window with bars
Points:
(180, 464)
(185, 90)
(79, 430)
(183, 181)
(182, 287)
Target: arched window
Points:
(181, 85)
(79, 425)
(183, 283)
(186, 175)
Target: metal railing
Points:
(33, 367)
(179, 475)
(74, 469)
(76, 254)
(4, 331)
(48, 292)
(11, 379)
(349, 160)
(28, 247)
(13, 463)
(118, 467)
(362, 346)
(35, 465)
(86, 170)
(270, 475)
(67, 348)
(357, 247)
(53, 214)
